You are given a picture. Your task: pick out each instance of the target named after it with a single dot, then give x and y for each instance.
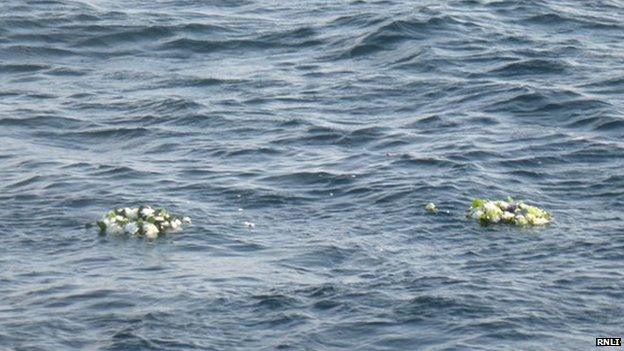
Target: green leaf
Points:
(102, 226)
(477, 203)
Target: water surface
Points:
(329, 125)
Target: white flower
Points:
(508, 216)
(186, 220)
(502, 204)
(521, 220)
(490, 206)
(539, 221)
(113, 228)
(176, 225)
(150, 231)
(431, 208)
(147, 211)
(131, 228)
(131, 213)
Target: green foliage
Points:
(478, 203)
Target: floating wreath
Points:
(510, 211)
(141, 221)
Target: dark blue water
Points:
(329, 125)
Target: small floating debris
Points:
(249, 225)
(431, 208)
(141, 221)
(510, 212)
